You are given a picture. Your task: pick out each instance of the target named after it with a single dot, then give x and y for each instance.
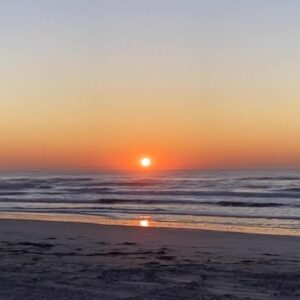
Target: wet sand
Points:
(56, 260)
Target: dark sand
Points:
(52, 260)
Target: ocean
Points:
(257, 201)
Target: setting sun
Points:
(146, 162)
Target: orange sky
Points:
(194, 85)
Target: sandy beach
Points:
(56, 260)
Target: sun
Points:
(146, 162)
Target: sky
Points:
(192, 84)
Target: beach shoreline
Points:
(55, 260)
(208, 223)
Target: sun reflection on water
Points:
(144, 221)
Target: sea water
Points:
(260, 201)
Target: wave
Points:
(252, 204)
(217, 203)
(294, 189)
(8, 193)
(111, 211)
(21, 184)
(110, 191)
(156, 202)
(269, 178)
(64, 178)
(18, 185)
(133, 183)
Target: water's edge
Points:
(152, 224)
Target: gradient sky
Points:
(86, 83)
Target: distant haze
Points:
(192, 84)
